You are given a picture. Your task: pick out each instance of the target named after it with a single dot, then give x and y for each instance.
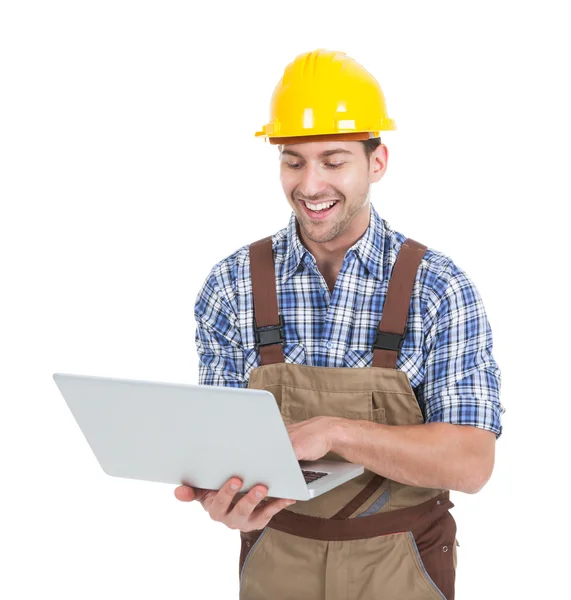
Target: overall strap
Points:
(392, 328)
(268, 323)
(374, 484)
(390, 336)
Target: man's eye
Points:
(331, 165)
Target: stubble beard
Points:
(339, 226)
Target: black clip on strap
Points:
(390, 341)
(270, 334)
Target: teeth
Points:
(316, 207)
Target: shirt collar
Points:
(294, 249)
(369, 247)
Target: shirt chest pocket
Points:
(358, 358)
(410, 362)
(293, 354)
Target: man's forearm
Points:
(435, 455)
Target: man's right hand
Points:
(245, 515)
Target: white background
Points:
(128, 167)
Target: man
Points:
(419, 406)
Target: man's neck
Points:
(329, 255)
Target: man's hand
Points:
(246, 514)
(312, 439)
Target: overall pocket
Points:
(386, 566)
(280, 565)
(300, 403)
(375, 415)
(247, 542)
(433, 548)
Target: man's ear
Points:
(378, 172)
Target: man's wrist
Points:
(339, 433)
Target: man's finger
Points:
(207, 499)
(218, 507)
(263, 514)
(185, 493)
(242, 511)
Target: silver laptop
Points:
(197, 435)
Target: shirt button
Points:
(329, 345)
(444, 548)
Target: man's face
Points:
(314, 173)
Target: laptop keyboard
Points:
(311, 476)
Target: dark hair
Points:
(370, 145)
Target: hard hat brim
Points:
(301, 139)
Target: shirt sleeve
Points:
(218, 340)
(462, 380)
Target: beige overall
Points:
(370, 537)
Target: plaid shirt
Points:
(447, 352)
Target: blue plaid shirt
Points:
(447, 352)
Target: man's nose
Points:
(312, 183)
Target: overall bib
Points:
(369, 538)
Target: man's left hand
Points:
(312, 439)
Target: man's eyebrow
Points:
(322, 155)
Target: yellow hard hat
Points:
(326, 95)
